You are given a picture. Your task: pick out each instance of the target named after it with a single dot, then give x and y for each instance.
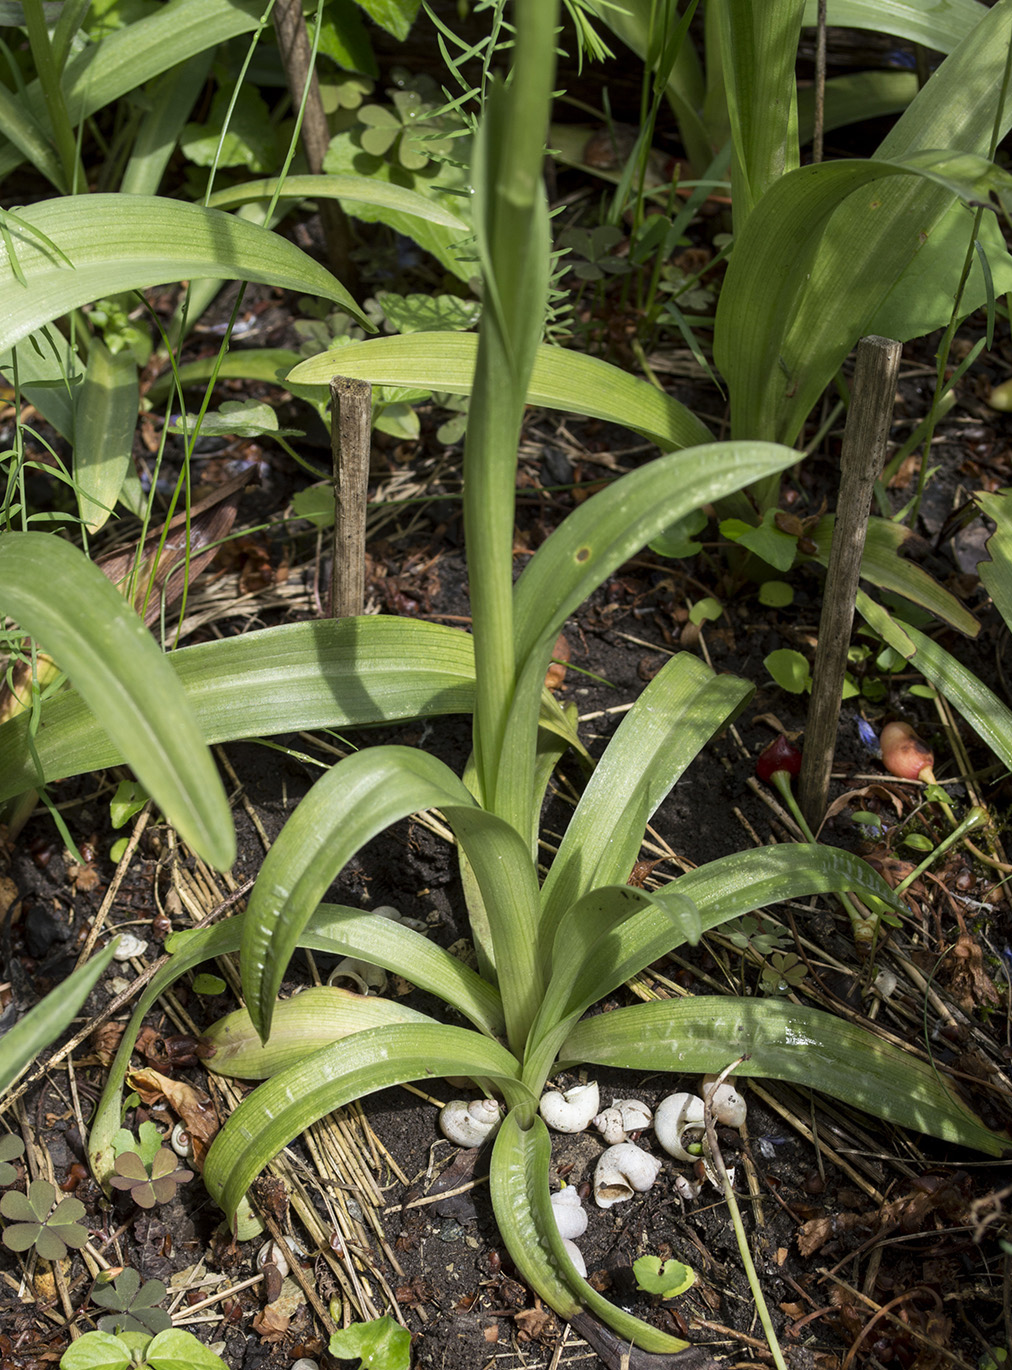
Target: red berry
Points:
(780, 755)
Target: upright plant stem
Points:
(513, 245)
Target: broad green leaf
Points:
(586, 548)
(876, 235)
(96, 1351)
(936, 24)
(41, 1025)
(883, 564)
(783, 1041)
(396, 16)
(100, 73)
(170, 98)
(303, 1023)
(355, 800)
(982, 709)
(669, 724)
(922, 298)
(518, 1181)
(29, 139)
(175, 1349)
(102, 645)
(603, 939)
(774, 377)
(561, 380)
(105, 418)
(381, 1344)
(50, 373)
(351, 190)
(738, 884)
(270, 1117)
(758, 55)
(332, 673)
(858, 96)
(129, 242)
(997, 573)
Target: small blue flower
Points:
(868, 736)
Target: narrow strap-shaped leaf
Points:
(303, 1023)
(129, 686)
(604, 938)
(171, 99)
(354, 801)
(981, 707)
(561, 380)
(101, 72)
(50, 373)
(738, 884)
(878, 235)
(783, 1041)
(332, 929)
(270, 1117)
(758, 56)
(774, 386)
(106, 414)
(518, 1182)
(129, 242)
(41, 1025)
(585, 549)
(938, 27)
(331, 673)
(883, 565)
(666, 728)
(363, 189)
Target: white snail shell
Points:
(569, 1214)
(365, 976)
(728, 1105)
(622, 1171)
(273, 1253)
(181, 1141)
(625, 1116)
(469, 1124)
(572, 1111)
(576, 1256)
(676, 1115)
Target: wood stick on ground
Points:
(350, 436)
(295, 49)
(861, 461)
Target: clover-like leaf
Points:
(11, 1148)
(37, 1223)
(152, 1184)
(146, 1144)
(134, 1304)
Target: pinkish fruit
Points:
(905, 755)
(780, 755)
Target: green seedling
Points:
(134, 1304)
(35, 1222)
(11, 1148)
(172, 1349)
(382, 1344)
(149, 1172)
(667, 1280)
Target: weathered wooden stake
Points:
(868, 421)
(296, 50)
(350, 442)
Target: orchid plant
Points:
(548, 948)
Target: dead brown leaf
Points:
(192, 1106)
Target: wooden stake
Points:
(861, 461)
(350, 441)
(296, 50)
